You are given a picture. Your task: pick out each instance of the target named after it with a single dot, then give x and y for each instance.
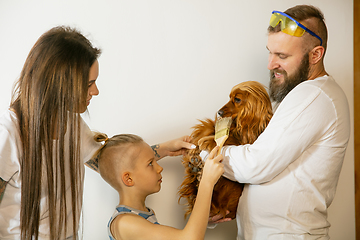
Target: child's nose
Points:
(160, 169)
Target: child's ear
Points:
(127, 180)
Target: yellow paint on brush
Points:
(222, 128)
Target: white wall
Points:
(166, 63)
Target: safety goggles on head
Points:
(289, 25)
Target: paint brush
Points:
(222, 128)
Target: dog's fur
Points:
(250, 109)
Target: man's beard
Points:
(279, 91)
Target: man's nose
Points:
(272, 64)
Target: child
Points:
(127, 163)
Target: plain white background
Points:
(165, 64)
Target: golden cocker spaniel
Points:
(250, 110)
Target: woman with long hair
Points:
(44, 142)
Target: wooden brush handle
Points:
(221, 144)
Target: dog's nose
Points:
(220, 113)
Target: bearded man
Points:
(291, 171)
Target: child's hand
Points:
(213, 168)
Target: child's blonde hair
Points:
(113, 155)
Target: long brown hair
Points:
(47, 99)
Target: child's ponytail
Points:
(100, 137)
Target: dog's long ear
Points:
(264, 110)
(255, 115)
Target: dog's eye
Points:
(237, 100)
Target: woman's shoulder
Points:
(9, 124)
(10, 144)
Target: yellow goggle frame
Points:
(290, 26)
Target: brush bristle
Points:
(222, 127)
